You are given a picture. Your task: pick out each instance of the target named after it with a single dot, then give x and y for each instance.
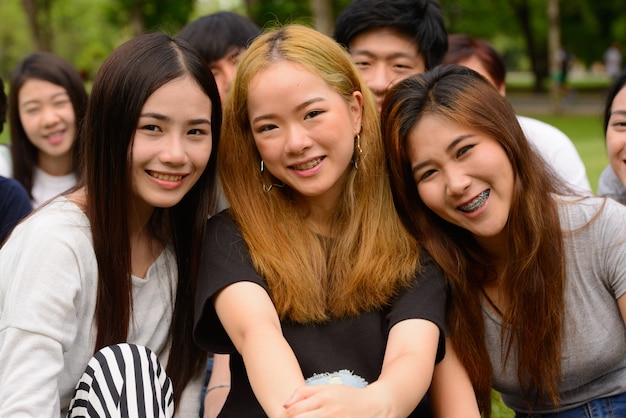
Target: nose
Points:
(174, 151)
(297, 140)
(49, 116)
(457, 182)
(379, 79)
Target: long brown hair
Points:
(125, 81)
(371, 254)
(534, 280)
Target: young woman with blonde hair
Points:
(310, 274)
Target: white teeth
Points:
(476, 204)
(165, 177)
(308, 165)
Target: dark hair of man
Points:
(54, 69)
(214, 35)
(125, 81)
(462, 47)
(421, 20)
(533, 280)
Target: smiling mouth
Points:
(476, 204)
(164, 177)
(308, 165)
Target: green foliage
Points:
(149, 15)
(269, 13)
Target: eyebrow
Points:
(449, 148)
(298, 108)
(399, 54)
(159, 116)
(618, 112)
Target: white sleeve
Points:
(40, 289)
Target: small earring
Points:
(267, 189)
(358, 151)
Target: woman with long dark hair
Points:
(115, 259)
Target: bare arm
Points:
(217, 391)
(451, 393)
(405, 377)
(621, 302)
(250, 319)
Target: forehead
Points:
(384, 41)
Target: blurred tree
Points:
(323, 15)
(320, 14)
(148, 15)
(524, 24)
(39, 22)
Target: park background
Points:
(528, 33)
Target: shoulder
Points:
(542, 134)
(58, 222)
(578, 212)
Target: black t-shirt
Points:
(356, 344)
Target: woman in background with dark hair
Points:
(47, 101)
(115, 259)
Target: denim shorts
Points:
(611, 407)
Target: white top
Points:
(48, 285)
(6, 168)
(558, 150)
(46, 186)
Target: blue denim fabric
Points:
(611, 407)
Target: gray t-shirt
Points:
(611, 186)
(594, 347)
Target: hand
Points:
(337, 401)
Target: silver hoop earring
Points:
(357, 151)
(267, 189)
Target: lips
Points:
(308, 165)
(476, 204)
(164, 177)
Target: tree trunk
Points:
(537, 55)
(322, 11)
(554, 46)
(40, 28)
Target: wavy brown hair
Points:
(126, 79)
(371, 255)
(533, 282)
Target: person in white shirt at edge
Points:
(115, 258)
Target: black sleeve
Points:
(425, 299)
(225, 260)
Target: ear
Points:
(356, 110)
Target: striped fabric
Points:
(126, 381)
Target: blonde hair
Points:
(371, 255)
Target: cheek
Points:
(615, 143)
(428, 193)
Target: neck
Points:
(56, 165)
(319, 217)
